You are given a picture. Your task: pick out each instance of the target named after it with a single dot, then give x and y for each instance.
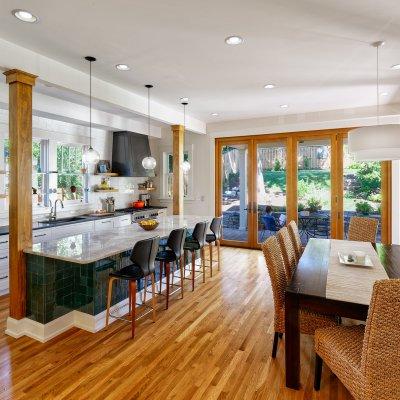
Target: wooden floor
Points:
(213, 344)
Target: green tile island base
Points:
(63, 294)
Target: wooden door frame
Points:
(337, 137)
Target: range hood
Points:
(129, 149)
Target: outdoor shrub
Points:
(375, 197)
(277, 165)
(368, 176)
(314, 204)
(306, 162)
(300, 207)
(363, 207)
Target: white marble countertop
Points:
(93, 246)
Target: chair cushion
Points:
(210, 237)
(191, 244)
(130, 272)
(166, 255)
(340, 348)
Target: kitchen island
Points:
(67, 277)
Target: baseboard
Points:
(17, 328)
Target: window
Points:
(70, 183)
(37, 173)
(168, 175)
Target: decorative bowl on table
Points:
(148, 224)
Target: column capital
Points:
(177, 128)
(16, 75)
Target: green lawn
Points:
(278, 178)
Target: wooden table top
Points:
(311, 273)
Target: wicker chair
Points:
(295, 237)
(308, 321)
(366, 359)
(363, 229)
(288, 252)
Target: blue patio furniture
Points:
(270, 225)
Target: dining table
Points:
(322, 284)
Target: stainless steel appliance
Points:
(146, 198)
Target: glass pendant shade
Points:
(90, 156)
(186, 166)
(149, 163)
(375, 143)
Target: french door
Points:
(264, 181)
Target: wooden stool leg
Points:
(193, 268)
(161, 273)
(203, 262)
(211, 258)
(184, 263)
(145, 290)
(132, 287)
(181, 268)
(109, 295)
(218, 253)
(167, 274)
(153, 299)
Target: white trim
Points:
(45, 332)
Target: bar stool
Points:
(143, 256)
(214, 237)
(193, 243)
(173, 253)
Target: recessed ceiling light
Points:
(24, 15)
(122, 67)
(269, 86)
(284, 106)
(395, 66)
(384, 94)
(233, 40)
(214, 114)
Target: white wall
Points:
(202, 200)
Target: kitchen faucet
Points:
(53, 211)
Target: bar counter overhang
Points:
(67, 278)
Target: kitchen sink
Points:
(61, 220)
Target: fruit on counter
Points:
(150, 222)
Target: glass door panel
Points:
(362, 182)
(234, 192)
(271, 188)
(314, 188)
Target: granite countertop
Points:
(89, 247)
(4, 230)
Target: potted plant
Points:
(314, 204)
(364, 208)
(301, 208)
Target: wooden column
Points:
(177, 184)
(20, 188)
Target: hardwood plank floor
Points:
(214, 344)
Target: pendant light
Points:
(90, 156)
(379, 142)
(148, 162)
(185, 164)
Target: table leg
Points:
(292, 341)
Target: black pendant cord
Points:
(148, 107)
(90, 105)
(90, 59)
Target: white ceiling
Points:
(316, 52)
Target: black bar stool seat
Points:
(214, 237)
(193, 243)
(166, 256)
(172, 254)
(130, 272)
(210, 238)
(142, 257)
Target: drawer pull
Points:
(6, 241)
(3, 258)
(4, 277)
(105, 222)
(43, 234)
